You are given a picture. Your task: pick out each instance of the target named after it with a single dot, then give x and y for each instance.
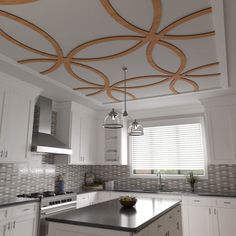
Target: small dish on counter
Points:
(127, 201)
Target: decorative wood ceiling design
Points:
(12, 2)
(150, 38)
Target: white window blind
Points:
(176, 147)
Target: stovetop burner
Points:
(42, 194)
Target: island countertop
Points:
(111, 215)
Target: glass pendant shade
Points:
(113, 120)
(135, 129)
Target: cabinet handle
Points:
(215, 211)
(4, 230)
(26, 209)
(6, 154)
(159, 226)
(209, 211)
(177, 225)
(1, 155)
(9, 226)
(196, 200)
(14, 225)
(227, 203)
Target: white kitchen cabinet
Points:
(210, 216)
(21, 220)
(225, 214)
(3, 229)
(103, 196)
(199, 216)
(24, 226)
(221, 130)
(88, 138)
(199, 220)
(86, 199)
(16, 121)
(76, 127)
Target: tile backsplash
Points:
(39, 175)
(221, 179)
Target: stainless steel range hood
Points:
(42, 140)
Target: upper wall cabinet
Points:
(221, 130)
(111, 144)
(76, 127)
(16, 119)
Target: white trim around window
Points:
(184, 151)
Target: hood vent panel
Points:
(43, 141)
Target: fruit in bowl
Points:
(128, 201)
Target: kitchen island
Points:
(149, 217)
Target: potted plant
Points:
(192, 180)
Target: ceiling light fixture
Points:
(114, 120)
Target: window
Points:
(173, 147)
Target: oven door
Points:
(50, 211)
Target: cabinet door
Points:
(75, 158)
(103, 197)
(176, 229)
(3, 229)
(222, 134)
(17, 127)
(87, 139)
(2, 120)
(226, 221)
(24, 227)
(199, 220)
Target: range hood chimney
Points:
(42, 139)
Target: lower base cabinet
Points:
(210, 216)
(226, 218)
(199, 221)
(25, 226)
(20, 220)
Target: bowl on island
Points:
(127, 201)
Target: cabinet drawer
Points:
(226, 202)
(92, 197)
(200, 201)
(82, 197)
(173, 214)
(159, 226)
(24, 210)
(3, 214)
(82, 204)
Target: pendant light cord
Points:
(125, 99)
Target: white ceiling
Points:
(70, 24)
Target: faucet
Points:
(161, 184)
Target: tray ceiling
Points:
(168, 46)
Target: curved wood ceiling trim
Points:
(149, 38)
(13, 2)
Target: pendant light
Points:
(135, 129)
(114, 121)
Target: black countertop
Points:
(6, 202)
(111, 215)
